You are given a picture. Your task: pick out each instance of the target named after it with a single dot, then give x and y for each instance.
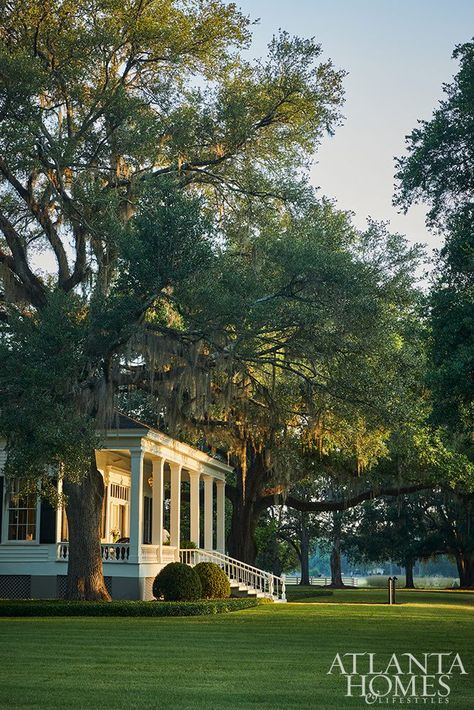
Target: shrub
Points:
(57, 607)
(214, 581)
(177, 582)
(188, 545)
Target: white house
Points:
(141, 527)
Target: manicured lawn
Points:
(366, 595)
(274, 657)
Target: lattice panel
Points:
(149, 588)
(61, 582)
(15, 586)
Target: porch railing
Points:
(264, 583)
(111, 552)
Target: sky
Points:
(398, 55)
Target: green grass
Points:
(368, 595)
(273, 657)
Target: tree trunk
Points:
(335, 561)
(304, 559)
(241, 542)
(247, 508)
(465, 565)
(85, 579)
(409, 581)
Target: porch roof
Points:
(127, 432)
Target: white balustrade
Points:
(110, 552)
(264, 583)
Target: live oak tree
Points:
(131, 133)
(450, 519)
(395, 529)
(320, 360)
(438, 169)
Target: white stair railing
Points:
(263, 583)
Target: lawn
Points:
(274, 657)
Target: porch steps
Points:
(245, 580)
(242, 591)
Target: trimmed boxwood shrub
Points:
(214, 581)
(177, 582)
(56, 607)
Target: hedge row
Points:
(55, 607)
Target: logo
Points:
(405, 678)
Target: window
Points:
(21, 513)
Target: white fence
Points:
(323, 581)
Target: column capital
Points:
(158, 463)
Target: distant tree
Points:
(396, 529)
(439, 169)
(300, 529)
(451, 519)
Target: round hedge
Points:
(177, 582)
(214, 581)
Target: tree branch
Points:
(18, 264)
(321, 506)
(42, 218)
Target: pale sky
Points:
(398, 54)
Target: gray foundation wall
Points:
(54, 587)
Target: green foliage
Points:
(39, 608)
(177, 582)
(43, 362)
(214, 581)
(438, 170)
(143, 131)
(187, 545)
(394, 529)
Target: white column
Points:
(220, 522)
(157, 505)
(136, 504)
(208, 526)
(194, 477)
(59, 511)
(108, 512)
(175, 511)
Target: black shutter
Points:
(47, 523)
(1, 505)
